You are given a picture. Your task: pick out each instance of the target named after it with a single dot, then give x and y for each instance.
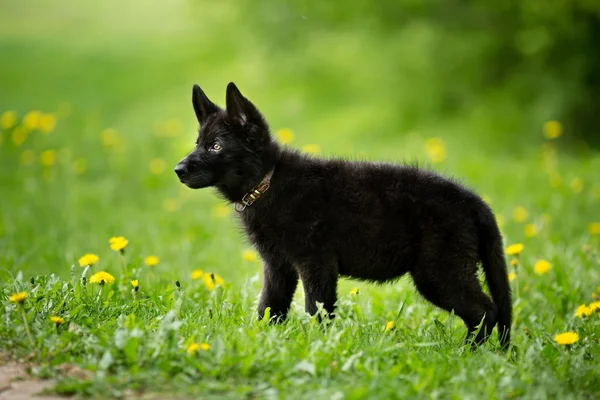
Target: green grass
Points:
(134, 75)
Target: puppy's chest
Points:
(256, 228)
(277, 230)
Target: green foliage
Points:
(507, 66)
(136, 342)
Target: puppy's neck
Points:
(250, 178)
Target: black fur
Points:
(322, 219)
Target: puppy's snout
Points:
(180, 169)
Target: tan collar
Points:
(250, 197)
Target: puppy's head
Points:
(231, 143)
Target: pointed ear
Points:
(202, 105)
(241, 109)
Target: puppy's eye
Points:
(216, 147)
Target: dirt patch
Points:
(17, 384)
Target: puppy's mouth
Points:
(190, 184)
(195, 181)
(193, 185)
(183, 179)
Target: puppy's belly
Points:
(374, 270)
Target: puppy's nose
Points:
(180, 169)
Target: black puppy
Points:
(317, 219)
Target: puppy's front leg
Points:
(320, 285)
(280, 282)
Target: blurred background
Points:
(96, 111)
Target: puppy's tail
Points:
(491, 252)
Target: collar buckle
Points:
(250, 197)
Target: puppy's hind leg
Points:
(462, 293)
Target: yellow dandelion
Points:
(212, 280)
(19, 135)
(31, 120)
(57, 320)
(354, 292)
(389, 326)
(221, 211)
(514, 262)
(594, 229)
(285, 135)
(511, 276)
(88, 259)
(197, 274)
(531, 230)
(118, 243)
(27, 157)
(157, 166)
(552, 129)
(583, 311)
(515, 249)
(193, 348)
(171, 205)
(8, 119)
(152, 261)
(48, 158)
(79, 166)
(47, 122)
(436, 150)
(250, 255)
(577, 185)
(594, 306)
(135, 283)
(566, 338)
(102, 277)
(110, 137)
(18, 297)
(541, 267)
(205, 346)
(218, 280)
(520, 214)
(311, 149)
